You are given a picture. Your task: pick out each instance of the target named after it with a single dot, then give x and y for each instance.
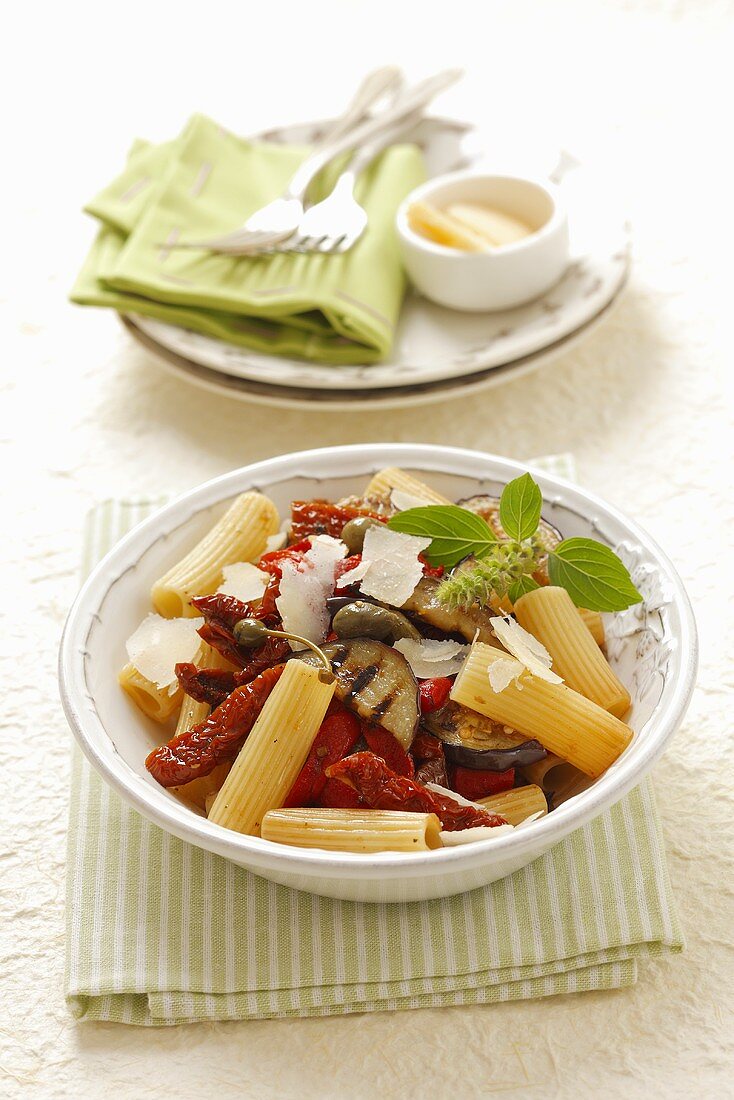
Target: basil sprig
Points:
(456, 533)
(591, 573)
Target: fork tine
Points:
(337, 243)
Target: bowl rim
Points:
(356, 460)
(555, 222)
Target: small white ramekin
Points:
(500, 279)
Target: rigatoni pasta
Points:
(240, 535)
(158, 703)
(392, 477)
(556, 777)
(563, 721)
(353, 830)
(594, 623)
(275, 751)
(551, 616)
(517, 805)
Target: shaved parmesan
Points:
(453, 794)
(528, 650)
(244, 580)
(276, 542)
(354, 575)
(402, 500)
(430, 658)
(502, 673)
(306, 585)
(393, 566)
(159, 644)
(479, 832)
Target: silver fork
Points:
(337, 222)
(279, 220)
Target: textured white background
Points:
(642, 405)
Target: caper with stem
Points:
(251, 633)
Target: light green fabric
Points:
(159, 932)
(332, 309)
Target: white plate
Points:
(652, 647)
(434, 344)
(337, 400)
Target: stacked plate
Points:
(437, 351)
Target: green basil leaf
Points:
(593, 575)
(455, 532)
(523, 584)
(520, 506)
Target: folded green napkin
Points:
(332, 309)
(159, 932)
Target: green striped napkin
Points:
(159, 932)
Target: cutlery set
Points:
(334, 225)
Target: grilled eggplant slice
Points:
(495, 760)
(377, 683)
(466, 623)
(457, 725)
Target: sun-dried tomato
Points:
(224, 610)
(478, 784)
(268, 612)
(219, 738)
(339, 796)
(382, 789)
(222, 639)
(431, 570)
(320, 517)
(433, 694)
(206, 685)
(382, 743)
(273, 562)
(336, 737)
(430, 762)
(271, 652)
(221, 612)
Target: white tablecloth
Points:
(86, 415)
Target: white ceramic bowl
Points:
(652, 647)
(500, 279)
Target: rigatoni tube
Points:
(551, 616)
(564, 722)
(240, 535)
(392, 477)
(353, 830)
(594, 623)
(156, 702)
(275, 751)
(517, 805)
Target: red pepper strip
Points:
(427, 751)
(216, 740)
(382, 743)
(206, 685)
(320, 517)
(336, 737)
(271, 652)
(339, 796)
(433, 694)
(382, 789)
(273, 562)
(479, 784)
